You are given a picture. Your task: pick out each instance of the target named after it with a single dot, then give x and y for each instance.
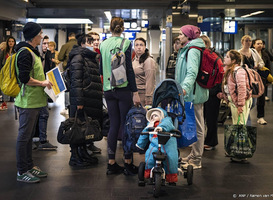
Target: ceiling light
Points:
(193, 15)
(108, 15)
(176, 13)
(62, 21)
(251, 14)
(25, 1)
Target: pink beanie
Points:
(192, 32)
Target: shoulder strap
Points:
(122, 43)
(33, 62)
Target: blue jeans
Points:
(43, 118)
(27, 125)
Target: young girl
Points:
(235, 88)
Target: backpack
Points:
(9, 82)
(118, 66)
(211, 69)
(135, 123)
(255, 81)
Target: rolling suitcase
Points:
(224, 111)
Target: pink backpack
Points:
(255, 81)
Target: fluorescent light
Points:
(25, 1)
(251, 14)
(63, 21)
(193, 15)
(176, 13)
(108, 15)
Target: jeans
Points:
(43, 118)
(27, 124)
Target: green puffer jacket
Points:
(186, 72)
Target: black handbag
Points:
(75, 131)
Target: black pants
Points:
(211, 109)
(261, 103)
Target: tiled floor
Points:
(218, 179)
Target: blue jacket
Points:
(171, 164)
(187, 70)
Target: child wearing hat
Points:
(158, 118)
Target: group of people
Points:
(89, 65)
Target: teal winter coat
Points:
(186, 72)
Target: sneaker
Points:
(64, 112)
(261, 121)
(3, 107)
(266, 98)
(47, 146)
(208, 148)
(27, 178)
(130, 169)
(36, 171)
(194, 165)
(186, 159)
(114, 169)
(94, 149)
(237, 160)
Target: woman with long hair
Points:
(9, 50)
(145, 70)
(119, 98)
(252, 59)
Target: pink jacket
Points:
(243, 91)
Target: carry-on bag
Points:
(240, 140)
(224, 111)
(75, 131)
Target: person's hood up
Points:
(158, 109)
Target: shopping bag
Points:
(188, 128)
(240, 140)
(75, 131)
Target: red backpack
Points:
(211, 69)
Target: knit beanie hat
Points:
(192, 32)
(31, 29)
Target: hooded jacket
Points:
(86, 86)
(186, 72)
(170, 148)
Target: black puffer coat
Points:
(86, 86)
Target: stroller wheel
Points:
(189, 174)
(141, 169)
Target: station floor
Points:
(218, 179)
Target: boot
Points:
(75, 159)
(84, 155)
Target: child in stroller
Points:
(159, 119)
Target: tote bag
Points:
(240, 140)
(188, 128)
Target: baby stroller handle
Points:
(174, 133)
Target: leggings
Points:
(119, 102)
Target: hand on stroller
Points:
(158, 129)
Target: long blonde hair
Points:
(234, 56)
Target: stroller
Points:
(167, 95)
